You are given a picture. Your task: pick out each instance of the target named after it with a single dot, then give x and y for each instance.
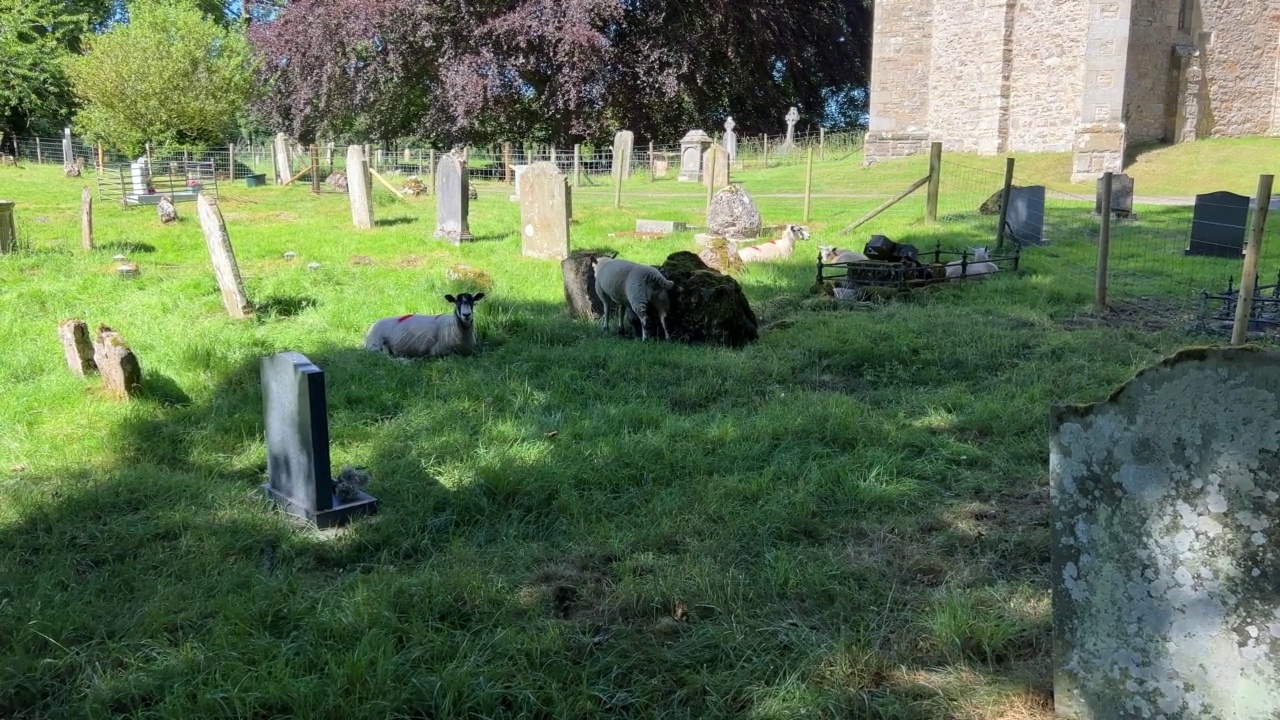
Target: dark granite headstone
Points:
(1121, 196)
(296, 420)
(1219, 223)
(1026, 215)
(452, 199)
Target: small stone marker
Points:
(359, 188)
(76, 346)
(731, 139)
(715, 167)
(1164, 518)
(8, 231)
(544, 215)
(692, 146)
(666, 227)
(1219, 223)
(452, 200)
(1026, 215)
(121, 373)
(296, 423)
(1121, 196)
(223, 256)
(623, 143)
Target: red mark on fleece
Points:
(402, 318)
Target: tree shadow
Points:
(162, 389)
(126, 248)
(283, 306)
(394, 221)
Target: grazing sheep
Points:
(414, 336)
(635, 288)
(832, 255)
(978, 266)
(779, 249)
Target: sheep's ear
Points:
(477, 298)
(451, 299)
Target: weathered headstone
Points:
(1121, 196)
(623, 143)
(1164, 517)
(661, 165)
(359, 188)
(166, 211)
(76, 346)
(733, 214)
(452, 199)
(68, 156)
(666, 227)
(121, 373)
(715, 167)
(284, 169)
(544, 215)
(8, 229)
(731, 140)
(296, 420)
(223, 257)
(1026, 215)
(1219, 223)
(692, 146)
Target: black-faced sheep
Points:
(978, 266)
(779, 249)
(631, 287)
(415, 336)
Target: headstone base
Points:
(364, 504)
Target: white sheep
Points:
(979, 265)
(832, 255)
(415, 336)
(631, 287)
(779, 249)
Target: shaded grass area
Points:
(847, 518)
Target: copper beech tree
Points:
(555, 70)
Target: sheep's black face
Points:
(464, 306)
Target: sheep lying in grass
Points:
(979, 265)
(779, 249)
(415, 336)
(833, 255)
(633, 288)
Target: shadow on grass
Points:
(280, 306)
(392, 222)
(126, 248)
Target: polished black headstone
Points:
(1026, 215)
(1219, 223)
(296, 420)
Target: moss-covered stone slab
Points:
(1165, 518)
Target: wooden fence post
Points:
(8, 231)
(86, 218)
(1249, 277)
(617, 187)
(1004, 203)
(652, 174)
(808, 183)
(577, 155)
(315, 169)
(506, 163)
(1104, 247)
(224, 258)
(935, 182)
(765, 161)
(359, 188)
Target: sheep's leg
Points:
(666, 332)
(604, 324)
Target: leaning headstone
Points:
(715, 167)
(544, 215)
(223, 257)
(623, 143)
(8, 231)
(733, 215)
(1219, 223)
(359, 181)
(731, 140)
(296, 420)
(1121, 196)
(1026, 215)
(692, 146)
(76, 346)
(284, 169)
(121, 373)
(1164, 518)
(452, 199)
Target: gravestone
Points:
(280, 151)
(1164, 515)
(8, 229)
(359, 188)
(519, 173)
(734, 215)
(731, 140)
(661, 164)
(452, 199)
(1121, 196)
(793, 117)
(77, 347)
(1026, 215)
(623, 143)
(296, 423)
(68, 156)
(544, 215)
(1219, 223)
(121, 373)
(692, 146)
(715, 167)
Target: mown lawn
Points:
(845, 519)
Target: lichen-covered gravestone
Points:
(452, 199)
(1165, 514)
(733, 214)
(544, 213)
(715, 167)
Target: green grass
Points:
(845, 519)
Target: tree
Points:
(172, 76)
(555, 70)
(35, 36)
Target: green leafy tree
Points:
(35, 37)
(173, 76)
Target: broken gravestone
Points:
(121, 373)
(733, 215)
(76, 346)
(1165, 513)
(580, 284)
